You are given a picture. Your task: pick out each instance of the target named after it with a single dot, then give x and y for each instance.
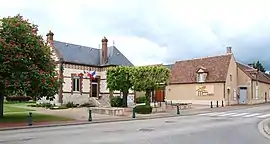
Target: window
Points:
(200, 77)
(76, 83)
(230, 77)
(257, 92)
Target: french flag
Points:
(91, 74)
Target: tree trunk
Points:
(1, 105)
(125, 94)
(148, 96)
(1, 102)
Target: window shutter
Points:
(81, 83)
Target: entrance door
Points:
(94, 90)
(243, 95)
(159, 96)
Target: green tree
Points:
(118, 79)
(149, 78)
(258, 65)
(26, 65)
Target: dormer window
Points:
(201, 75)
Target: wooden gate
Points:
(159, 96)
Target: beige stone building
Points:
(217, 78)
(72, 62)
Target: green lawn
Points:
(22, 117)
(13, 114)
(8, 108)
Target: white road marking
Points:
(227, 114)
(251, 115)
(264, 116)
(240, 114)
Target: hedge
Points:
(143, 109)
(140, 99)
(19, 98)
(116, 101)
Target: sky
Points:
(156, 31)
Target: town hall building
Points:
(74, 60)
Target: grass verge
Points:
(22, 117)
(9, 108)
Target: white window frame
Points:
(234, 94)
(200, 77)
(257, 92)
(76, 84)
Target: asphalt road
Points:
(232, 127)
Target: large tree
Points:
(26, 68)
(149, 78)
(258, 65)
(118, 79)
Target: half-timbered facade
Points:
(73, 60)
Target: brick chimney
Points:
(50, 36)
(104, 49)
(229, 50)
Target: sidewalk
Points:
(264, 128)
(80, 116)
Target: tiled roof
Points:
(216, 67)
(89, 56)
(169, 66)
(252, 73)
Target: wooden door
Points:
(160, 96)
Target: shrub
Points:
(71, 105)
(87, 105)
(141, 99)
(143, 109)
(60, 107)
(34, 105)
(18, 98)
(46, 105)
(116, 101)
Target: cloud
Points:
(156, 31)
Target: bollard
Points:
(30, 119)
(222, 103)
(211, 104)
(90, 115)
(133, 113)
(178, 111)
(217, 103)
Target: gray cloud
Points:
(207, 34)
(184, 42)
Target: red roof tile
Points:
(186, 71)
(254, 74)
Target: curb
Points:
(86, 122)
(104, 121)
(264, 128)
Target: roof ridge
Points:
(244, 65)
(202, 58)
(76, 44)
